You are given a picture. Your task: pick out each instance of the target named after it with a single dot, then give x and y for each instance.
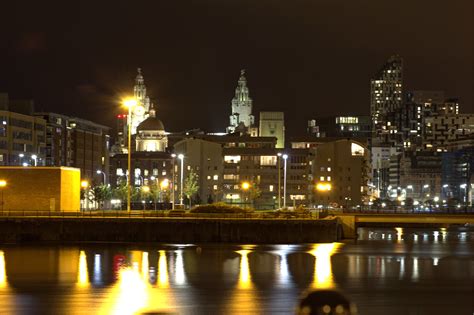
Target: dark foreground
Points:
(386, 272)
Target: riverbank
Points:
(168, 230)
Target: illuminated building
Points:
(340, 126)
(241, 119)
(385, 94)
(205, 159)
(151, 135)
(458, 175)
(76, 142)
(22, 135)
(272, 124)
(340, 173)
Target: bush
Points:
(219, 207)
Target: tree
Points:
(101, 194)
(191, 186)
(254, 193)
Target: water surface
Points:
(387, 271)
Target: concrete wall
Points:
(131, 230)
(40, 188)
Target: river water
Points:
(387, 271)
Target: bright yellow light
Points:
(323, 277)
(245, 280)
(3, 272)
(84, 184)
(83, 273)
(399, 233)
(145, 267)
(162, 270)
(146, 189)
(323, 187)
(164, 183)
(3, 183)
(245, 185)
(130, 102)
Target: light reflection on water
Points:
(237, 279)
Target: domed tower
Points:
(151, 135)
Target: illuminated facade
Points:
(22, 135)
(151, 135)
(272, 124)
(241, 118)
(341, 126)
(141, 111)
(340, 173)
(385, 95)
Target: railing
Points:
(154, 214)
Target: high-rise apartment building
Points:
(385, 96)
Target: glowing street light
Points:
(35, 158)
(85, 186)
(285, 158)
(130, 104)
(279, 180)
(21, 155)
(323, 187)
(181, 157)
(103, 174)
(173, 181)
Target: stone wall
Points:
(66, 230)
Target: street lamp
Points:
(164, 184)
(130, 104)
(181, 157)
(464, 186)
(245, 187)
(145, 190)
(21, 155)
(3, 184)
(103, 174)
(173, 181)
(35, 158)
(285, 158)
(279, 180)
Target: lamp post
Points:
(3, 184)
(245, 187)
(35, 158)
(103, 174)
(285, 158)
(145, 190)
(464, 199)
(173, 181)
(181, 157)
(130, 103)
(21, 155)
(279, 180)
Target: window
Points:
(215, 177)
(329, 169)
(214, 187)
(357, 150)
(268, 160)
(329, 178)
(232, 159)
(270, 188)
(321, 178)
(119, 172)
(209, 177)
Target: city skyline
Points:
(77, 71)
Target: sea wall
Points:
(173, 230)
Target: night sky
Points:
(307, 58)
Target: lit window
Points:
(214, 187)
(189, 167)
(329, 178)
(329, 169)
(119, 172)
(145, 172)
(270, 187)
(321, 178)
(163, 173)
(208, 177)
(357, 150)
(216, 177)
